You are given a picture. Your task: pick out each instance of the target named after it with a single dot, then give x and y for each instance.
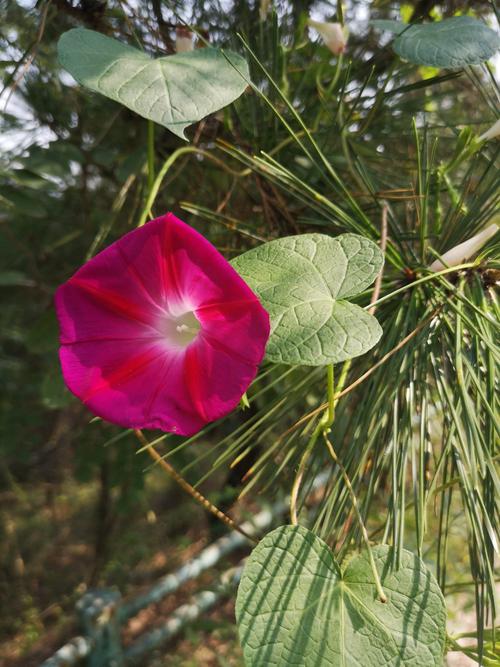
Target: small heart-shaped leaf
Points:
(453, 42)
(296, 607)
(303, 281)
(174, 91)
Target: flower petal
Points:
(218, 322)
(201, 273)
(215, 378)
(135, 386)
(159, 331)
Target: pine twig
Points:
(186, 486)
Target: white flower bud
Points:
(464, 251)
(493, 132)
(183, 40)
(334, 35)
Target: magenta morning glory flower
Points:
(159, 331)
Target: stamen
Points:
(183, 328)
(180, 330)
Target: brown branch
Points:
(186, 486)
(32, 55)
(163, 26)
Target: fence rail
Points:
(102, 612)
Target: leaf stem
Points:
(151, 155)
(364, 532)
(340, 391)
(331, 395)
(183, 150)
(322, 426)
(300, 472)
(186, 486)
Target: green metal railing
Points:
(102, 613)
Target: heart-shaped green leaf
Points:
(174, 91)
(453, 42)
(296, 607)
(303, 281)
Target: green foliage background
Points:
(321, 145)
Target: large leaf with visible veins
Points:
(296, 607)
(453, 42)
(174, 91)
(304, 282)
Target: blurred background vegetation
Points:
(77, 508)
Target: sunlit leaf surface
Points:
(175, 91)
(304, 283)
(296, 607)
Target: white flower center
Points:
(180, 330)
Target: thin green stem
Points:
(300, 472)
(342, 379)
(420, 192)
(347, 150)
(154, 189)
(425, 279)
(184, 150)
(340, 12)
(471, 652)
(364, 532)
(326, 93)
(329, 168)
(151, 155)
(331, 394)
(340, 391)
(322, 426)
